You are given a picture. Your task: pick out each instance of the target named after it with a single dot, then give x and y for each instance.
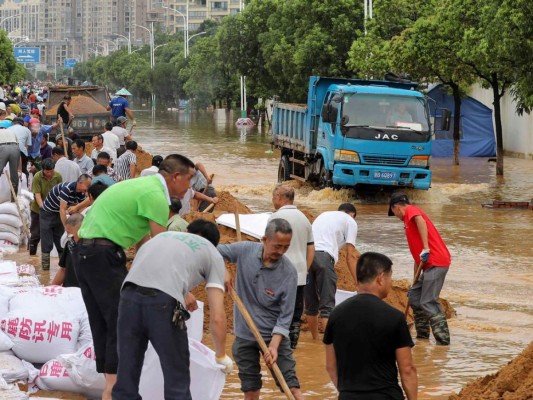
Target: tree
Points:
(480, 48)
(426, 54)
(9, 71)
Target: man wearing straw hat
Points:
(120, 107)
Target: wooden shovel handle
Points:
(249, 321)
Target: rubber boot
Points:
(294, 334)
(33, 249)
(421, 324)
(439, 326)
(45, 261)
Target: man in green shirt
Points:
(43, 182)
(126, 214)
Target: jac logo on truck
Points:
(385, 136)
(419, 148)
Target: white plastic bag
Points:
(195, 324)
(207, 378)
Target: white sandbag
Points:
(26, 269)
(9, 239)
(6, 343)
(195, 324)
(341, 295)
(54, 376)
(6, 293)
(7, 247)
(11, 368)
(9, 208)
(62, 300)
(81, 367)
(8, 272)
(11, 229)
(40, 335)
(27, 195)
(12, 220)
(207, 378)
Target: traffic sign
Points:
(27, 54)
(70, 62)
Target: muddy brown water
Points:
(491, 278)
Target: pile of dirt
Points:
(514, 381)
(80, 105)
(228, 203)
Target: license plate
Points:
(384, 175)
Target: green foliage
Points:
(9, 70)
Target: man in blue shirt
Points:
(37, 133)
(119, 106)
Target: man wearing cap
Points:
(23, 135)
(123, 135)
(426, 246)
(43, 181)
(331, 231)
(119, 106)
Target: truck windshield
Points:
(400, 113)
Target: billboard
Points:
(70, 62)
(27, 55)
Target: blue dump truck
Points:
(356, 133)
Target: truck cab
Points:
(375, 135)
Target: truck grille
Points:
(381, 160)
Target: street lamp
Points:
(25, 40)
(127, 38)
(185, 28)
(6, 18)
(151, 36)
(196, 34)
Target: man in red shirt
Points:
(426, 245)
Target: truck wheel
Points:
(323, 179)
(283, 170)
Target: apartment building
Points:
(81, 29)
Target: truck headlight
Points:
(419, 161)
(347, 155)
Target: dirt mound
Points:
(228, 203)
(80, 105)
(514, 381)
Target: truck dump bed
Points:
(290, 128)
(88, 106)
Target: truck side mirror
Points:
(345, 119)
(445, 119)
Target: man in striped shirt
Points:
(126, 164)
(53, 214)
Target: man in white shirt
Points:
(331, 231)
(111, 141)
(69, 170)
(23, 135)
(123, 135)
(98, 144)
(156, 160)
(301, 251)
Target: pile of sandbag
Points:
(11, 225)
(45, 341)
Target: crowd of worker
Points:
(92, 208)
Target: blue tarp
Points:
(477, 131)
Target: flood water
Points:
(491, 277)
